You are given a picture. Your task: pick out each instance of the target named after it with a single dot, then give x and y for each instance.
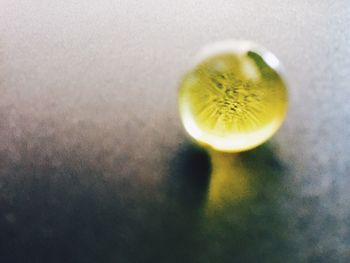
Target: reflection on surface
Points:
(240, 177)
(239, 215)
(244, 219)
(229, 180)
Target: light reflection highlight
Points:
(230, 181)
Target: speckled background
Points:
(94, 163)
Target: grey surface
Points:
(95, 166)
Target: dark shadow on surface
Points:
(185, 189)
(62, 207)
(189, 175)
(238, 214)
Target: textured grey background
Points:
(95, 166)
